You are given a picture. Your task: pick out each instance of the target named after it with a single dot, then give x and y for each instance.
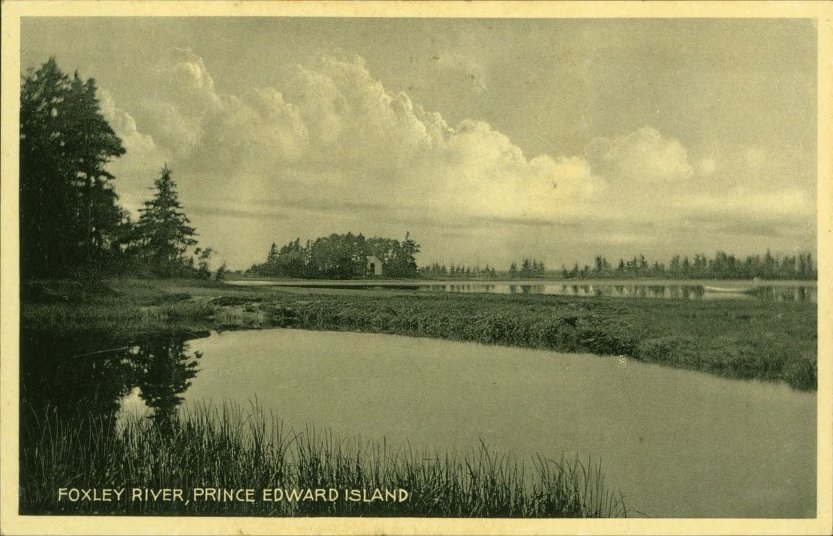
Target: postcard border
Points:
(12, 523)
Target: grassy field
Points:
(740, 339)
(232, 449)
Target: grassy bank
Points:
(739, 339)
(229, 448)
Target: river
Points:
(677, 443)
(771, 291)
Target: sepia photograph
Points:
(410, 268)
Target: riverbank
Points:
(229, 462)
(738, 339)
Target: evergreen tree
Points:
(410, 248)
(164, 230)
(69, 210)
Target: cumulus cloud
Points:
(144, 155)
(643, 156)
(125, 126)
(335, 130)
(332, 149)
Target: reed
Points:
(230, 448)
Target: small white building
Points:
(373, 265)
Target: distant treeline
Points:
(71, 222)
(340, 256)
(721, 266)
(529, 268)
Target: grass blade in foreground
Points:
(232, 450)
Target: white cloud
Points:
(143, 155)
(643, 156)
(331, 149)
(335, 130)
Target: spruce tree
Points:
(68, 208)
(164, 230)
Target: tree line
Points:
(721, 266)
(529, 267)
(457, 271)
(71, 221)
(340, 256)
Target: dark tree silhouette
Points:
(69, 211)
(165, 368)
(340, 257)
(164, 231)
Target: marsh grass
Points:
(230, 448)
(740, 339)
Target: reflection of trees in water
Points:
(71, 378)
(785, 294)
(657, 291)
(76, 380)
(164, 371)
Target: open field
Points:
(740, 339)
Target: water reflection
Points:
(781, 291)
(74, 380)
(165, 369)
(786, 293)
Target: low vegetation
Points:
(740, 339)
(232, 449)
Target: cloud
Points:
(334, 130)
(125, 126)
(143, 155)
(641, 157)
(332, 149)
(180, 98)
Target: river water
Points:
(770, 291)
(677, 443)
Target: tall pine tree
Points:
(68, 209)
(164, 230)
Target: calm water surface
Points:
(677, 443)
(778, 291)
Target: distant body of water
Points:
(677, 443)
(780, 291)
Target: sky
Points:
(489, 140)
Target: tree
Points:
(164, 230)
(69, 210)
(203, 261)
(409, 250)
(92, 145)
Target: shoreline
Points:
(744, 340)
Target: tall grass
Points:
(740, 339)
(230, 448)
